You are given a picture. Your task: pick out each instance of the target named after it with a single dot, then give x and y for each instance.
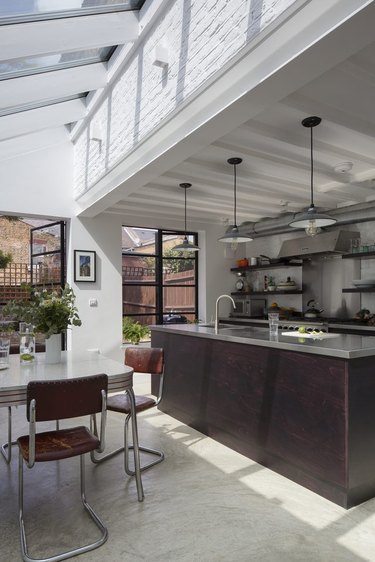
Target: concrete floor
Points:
(204, 503)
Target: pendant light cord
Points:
(311, 168)
(185, 212)
(235, 194)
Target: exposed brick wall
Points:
(202, 37)
(15, 239)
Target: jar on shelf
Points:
(27, 343)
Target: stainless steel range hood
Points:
(331, 242)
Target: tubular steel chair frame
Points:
(127, 447)
(29, 444)
(8, 445)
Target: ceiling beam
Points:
(51, 85)
(68, 34)
(42, 118)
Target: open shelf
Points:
(249, 293)
(266, 266)
(359, 255)
(359, 290)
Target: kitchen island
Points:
(304, 408)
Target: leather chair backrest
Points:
(69, 398)
(145, 359)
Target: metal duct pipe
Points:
(361, 212)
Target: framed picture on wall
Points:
(84, 266)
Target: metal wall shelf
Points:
(266, 266)
(250, 293)
(359, 290)
(359, 255)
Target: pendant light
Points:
(311, 220)
(186, 246)
(232, 235)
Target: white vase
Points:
(53, 349)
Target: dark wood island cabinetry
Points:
(305, 410)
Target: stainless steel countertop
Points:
(345, 346)
(303, 321)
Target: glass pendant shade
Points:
(311, 220)
(232, 235)
(185, 245)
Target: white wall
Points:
(38, 182)
(101, 325)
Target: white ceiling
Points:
(275, 172)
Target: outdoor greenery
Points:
(7, 328)
(50, 311)
(5, 259)
(134, 331)
(170, 264)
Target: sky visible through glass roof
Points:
(36, 8)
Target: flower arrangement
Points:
(50, 311)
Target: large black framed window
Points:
(158, 282)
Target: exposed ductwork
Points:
(362, 212)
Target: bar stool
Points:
(142, 360)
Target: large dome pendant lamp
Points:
(311, 220)
(232, 235)
(185, 245)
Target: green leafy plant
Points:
(134, 331)
(7, 328)
(51, 312)
(5, 259)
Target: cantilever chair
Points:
(142, 360)
(62, 399)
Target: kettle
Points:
(313, 311)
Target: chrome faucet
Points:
(217, 309)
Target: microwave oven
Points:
(248, 307)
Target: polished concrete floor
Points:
(204, 503)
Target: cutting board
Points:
(308, 335)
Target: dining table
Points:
(15, 378)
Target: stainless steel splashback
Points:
(331, 242)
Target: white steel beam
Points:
(42, 118)
(52, 85)
(68, 34)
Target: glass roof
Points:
(37, 105)
(16, 11)
(25, 66)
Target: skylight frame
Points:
(132, 5)
(59, 66)
(43, 103)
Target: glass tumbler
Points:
(4, 353)
(273, 323)
(27, 343)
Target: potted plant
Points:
(134, 331)
(51, 312)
